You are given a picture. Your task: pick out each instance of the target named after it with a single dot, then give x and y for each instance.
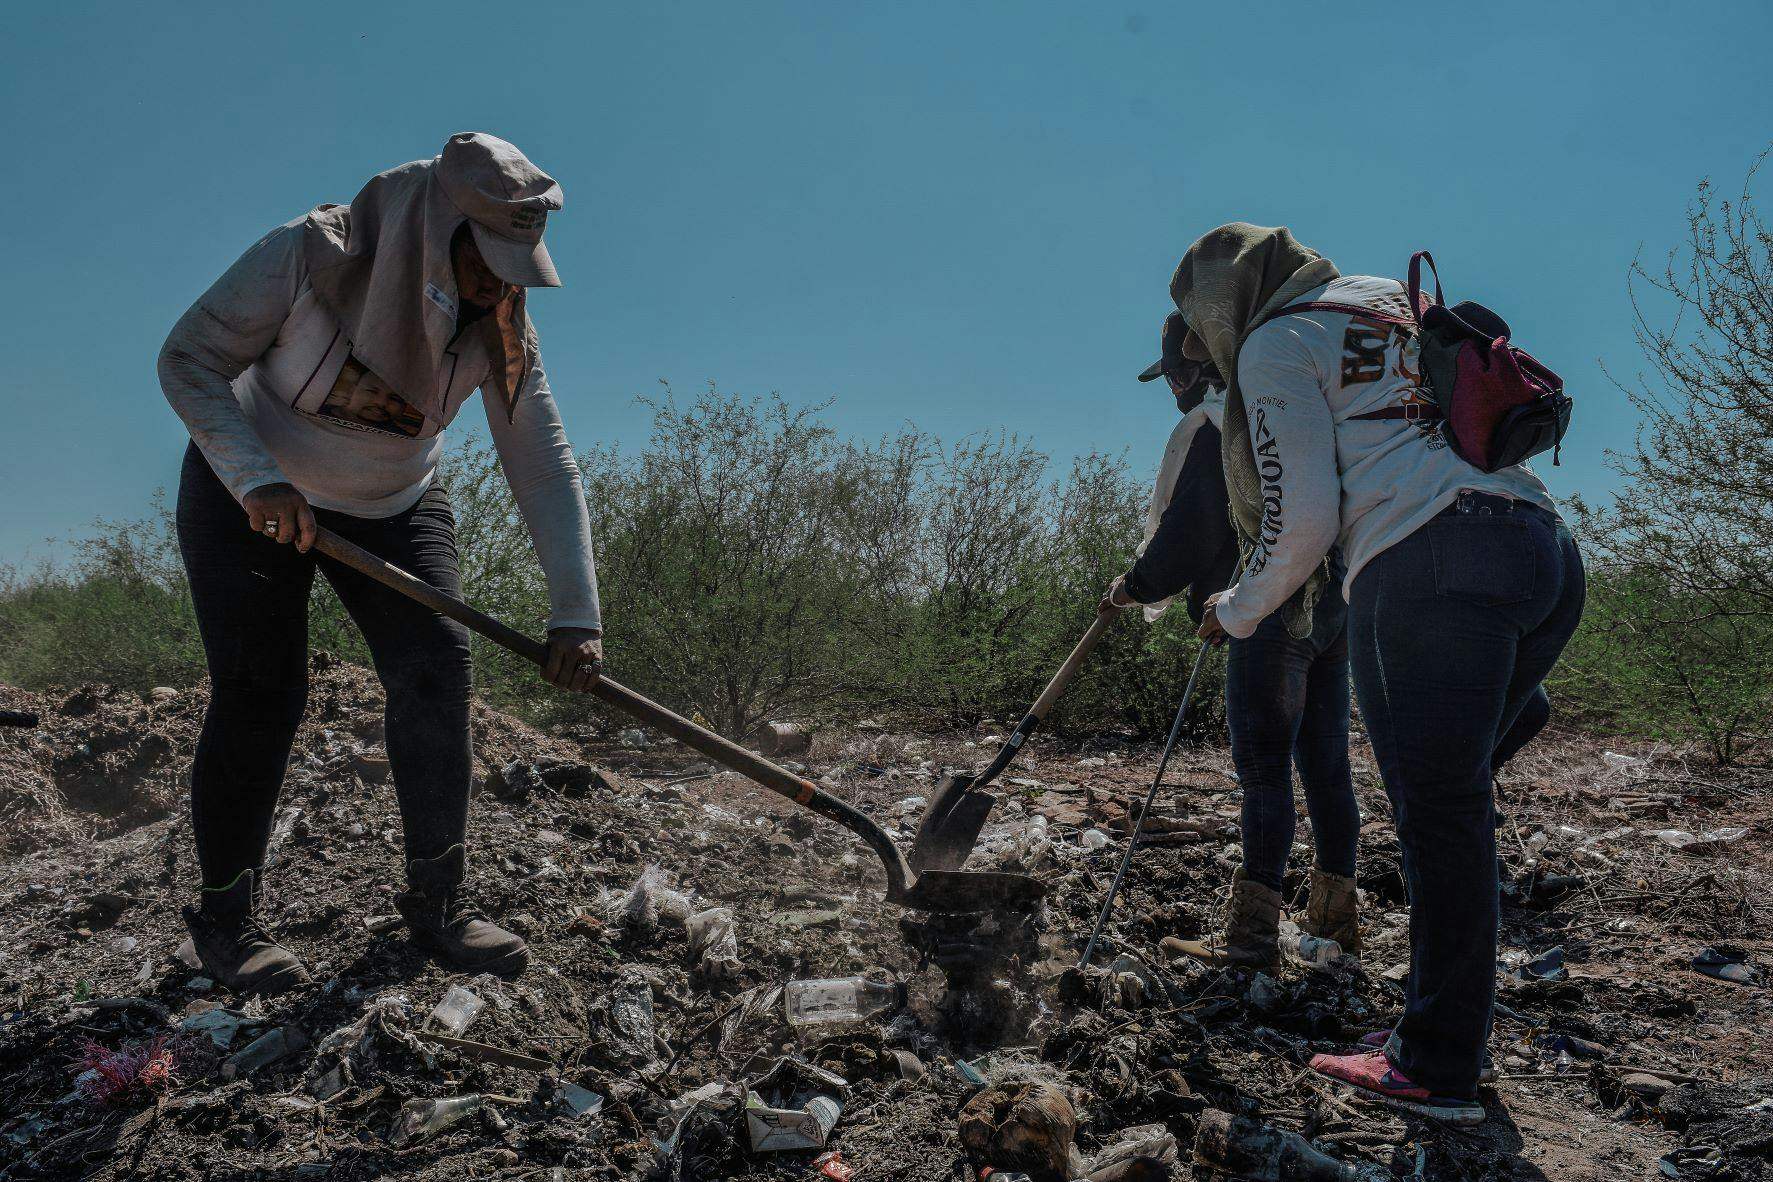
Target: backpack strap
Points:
(1409, 411)
(1349, 310)
(1416, 261)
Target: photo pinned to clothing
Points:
(362, 399)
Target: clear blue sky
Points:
(962, 215)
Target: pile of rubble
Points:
(718, 991)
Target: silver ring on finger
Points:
(590, 666)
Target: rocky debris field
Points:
(668, 906)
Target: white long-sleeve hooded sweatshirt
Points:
(1327, 476)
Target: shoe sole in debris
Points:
(1453, 1112)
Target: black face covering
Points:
(1193, 379)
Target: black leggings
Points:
(251, 598)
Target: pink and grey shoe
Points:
(1376, 1039)
(1372, 1074)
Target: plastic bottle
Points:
(1248, 1148)
(839, 1000)
(1314, 952)
(419, 1119)
(264, 1050)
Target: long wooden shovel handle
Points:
(724, 752)
(1037, 713)
(1062, 679)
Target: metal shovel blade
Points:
(950, 826)
(955, 892)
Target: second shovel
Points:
(960, 806)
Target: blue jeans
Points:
(1527, 724)
(1453, 629)
(1286, 699)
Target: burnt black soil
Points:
(96, 859)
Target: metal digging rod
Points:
(1126, 859)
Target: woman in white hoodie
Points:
(1463, 587)
(316, 378)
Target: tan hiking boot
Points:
(227, 939)
(1252, 931)
(443, 921)
(1333, 910)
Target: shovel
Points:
(936, 891)
(950, 826)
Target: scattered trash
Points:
(784, 738)
(648, 901)
(1134, 982)
(633, 738)
(384, 1027)
(621, 1021)
(584, 1036)
(1651, 1087)
(1694, 1161)
(795, 1105)
(714, 941)
(816, 1006)
(109, 1076)
(1093, 839)
(831, 1165)
(1250, 1149)
(1629, 765)
(458, 1009)
(1312, 952)
(265, 1050)
(1569, 1044)
(487, 1053)
(1026, 1125)
(580, 1101)
(1149, 1143)
(220, 1025)
(1265, 994)
(1712, 841)
(1536, 887)
(1727, 962)
(910, 1067)
(1547, 966)
(420, 1119)
(803, 920)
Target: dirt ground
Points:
(1627, 1056)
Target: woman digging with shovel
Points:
(1286, 695)
(316, 378)
(1359, 413)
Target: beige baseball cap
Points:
(506, 199)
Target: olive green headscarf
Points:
(1230, 282)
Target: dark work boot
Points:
(445, 923)
(231, 945)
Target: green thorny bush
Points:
(752, 565)
(1678, 639)
(755, 566)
